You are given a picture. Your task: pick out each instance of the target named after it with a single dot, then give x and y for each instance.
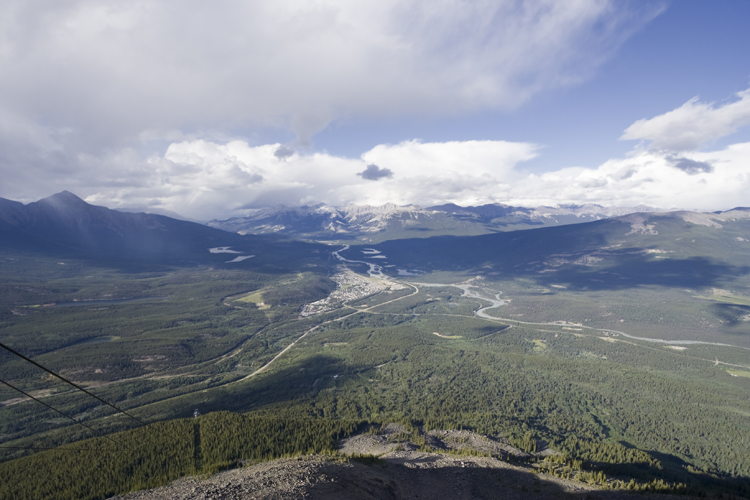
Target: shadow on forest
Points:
(633, 272)
(302, 380)
(272, 254)
(530, 254)
(730, 314)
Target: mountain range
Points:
(372, 224)
(662, 248)
(677, 248)
(64, 223)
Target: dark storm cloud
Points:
(283, 152)
(375, 173)
(690, 167)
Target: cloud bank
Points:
(111, 71)
(692, 125)
(204, 180)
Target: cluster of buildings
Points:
(351, 287)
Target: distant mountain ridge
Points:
(690, 250)
(391, 221)
(65, 223)
(587, 210)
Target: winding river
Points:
(375, 270)
(496, 302)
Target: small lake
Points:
(110, 302)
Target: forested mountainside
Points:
(611, 354)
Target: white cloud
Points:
(204, 180)
(114, 71)
(692, 125)
(649, 178)
(413, 158)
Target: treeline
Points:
(227, 437)
(99, 468)
(155, 455)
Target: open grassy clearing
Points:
(255, 298)
(539, 344)
(739, 373)
(727, 299)
(447, 336)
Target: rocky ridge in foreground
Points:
(454, 469)
(403, 474)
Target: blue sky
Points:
(694, 48)
(211, 110)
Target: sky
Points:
(215, 109)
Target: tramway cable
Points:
(71, 383)
(58, 411)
